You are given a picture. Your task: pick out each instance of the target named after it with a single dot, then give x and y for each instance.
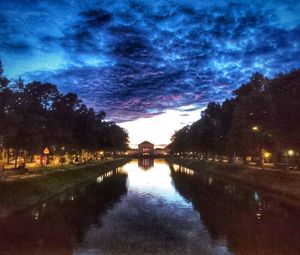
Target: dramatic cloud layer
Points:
(138, 58)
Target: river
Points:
(150, 207)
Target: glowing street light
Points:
(258, 139)
(291, 153)
(267, 155)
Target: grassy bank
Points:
(284, 184)
(29, 191)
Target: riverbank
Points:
(36, 171)
(29, 191)
(285, 184)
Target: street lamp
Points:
(291, 154)
(267, 155)
(256, 129)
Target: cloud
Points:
(96, 18)
(140, 58)
(16, 47)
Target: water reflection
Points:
(60, 225)
(182, 169)
(106, 175)
(153, 218)
(251, 223)
(146, 163)
(164, 210)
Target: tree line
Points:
(263, 115)
(36, 115)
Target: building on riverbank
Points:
(146, 148)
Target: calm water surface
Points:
(148, 207)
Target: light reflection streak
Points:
(106, 175)
(182, 169)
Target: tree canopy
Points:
(263, 113)
(36, 115)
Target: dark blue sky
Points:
(136, 59)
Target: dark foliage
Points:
(264, 114)
(37, 115)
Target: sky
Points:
(152, 65)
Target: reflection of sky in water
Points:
(156, 182)
(152, 219)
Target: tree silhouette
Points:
(36, 115)
(263, 114)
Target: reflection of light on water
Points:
(184, 170)
(120, 170)
(259, 214)
(109, 174)
(71, 198)
(156, 181)
(230, 188)
(102, 177)
(146, 163)
(256, 196)
(159, 213)
(35, 215)
(176, 168)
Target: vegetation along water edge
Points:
(29, 191)
(284, 184)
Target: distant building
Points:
(146, 148)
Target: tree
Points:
(257, 118)
(180, 140)
(6, 101)
(251, 110)
(3, 80)
(284, 94)
(36, 115)
(112, 137)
